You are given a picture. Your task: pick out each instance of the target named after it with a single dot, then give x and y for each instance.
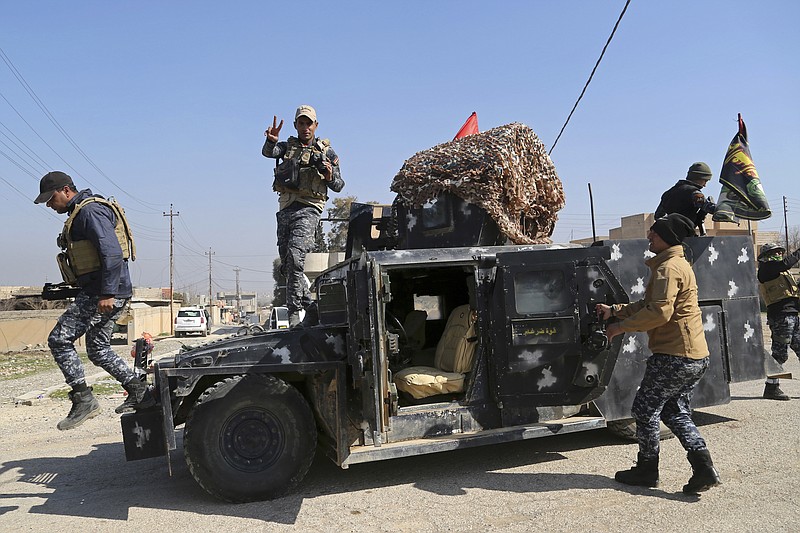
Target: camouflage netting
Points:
(505, 170)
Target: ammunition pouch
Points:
(67, 272)
(287, 174)
(780, 288)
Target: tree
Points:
(794, 238)
(335, 240)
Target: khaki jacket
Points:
(669, 312)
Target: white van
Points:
(278, 318)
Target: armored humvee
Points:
(433, 335)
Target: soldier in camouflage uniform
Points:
(780, 293)
(670, 313)
(93, 239)
(310, 167)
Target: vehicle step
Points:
(392, 450)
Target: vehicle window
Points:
(430, 304)
(541, 291)
(283, 313)
(436, 214)
(189, 313)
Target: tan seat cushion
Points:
(424, 381)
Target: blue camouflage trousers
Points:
(297, 225)
(785, 330)
(81, 317)
(665, 394)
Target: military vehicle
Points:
(430, 337)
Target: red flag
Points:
(470, 127)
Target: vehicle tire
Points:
(178, 334)
(626, 429)
(257, 329)
(244, 330)
(249, 438)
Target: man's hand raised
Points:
(273, 132)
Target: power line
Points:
(590, 75)
(60, 128)
(31, 153)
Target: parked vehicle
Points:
(278, 318)
(425, 341)
(191, 320)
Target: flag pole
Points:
(591, 206)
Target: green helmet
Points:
(769, 250)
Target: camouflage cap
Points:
(306, 111)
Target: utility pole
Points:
(785, 224)
(238, 294)
(209, 253)
(171, 264)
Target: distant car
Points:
(191, 320)
(278, 318)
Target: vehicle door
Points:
(365, 349)
(549, 348)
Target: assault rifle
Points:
(59, 291)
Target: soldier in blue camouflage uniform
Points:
(310, 167)
(92, 241)
(780, 293)
(670, 313)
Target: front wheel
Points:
(250, 438)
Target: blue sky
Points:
(169, 102)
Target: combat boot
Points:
(772, 391)
(644, 474)
(139, 397)
(84, 407)
(704, 474)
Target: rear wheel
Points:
(250, 438)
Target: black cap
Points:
(50, 183)
(673, 228)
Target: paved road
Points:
(78, 480)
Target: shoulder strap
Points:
(118, 212)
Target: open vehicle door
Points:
(550, 348)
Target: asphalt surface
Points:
(79, 480)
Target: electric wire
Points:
(31, 153)
(60, 128)
(590, 76)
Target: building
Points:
(636, 227)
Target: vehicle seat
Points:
(414, 325)
(455, 353)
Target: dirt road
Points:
(79, 480)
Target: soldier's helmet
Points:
(770, 251)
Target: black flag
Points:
(742, 195)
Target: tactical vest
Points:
(81, 257)
(310, 181)
(780, 288)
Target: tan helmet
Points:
(769, 249)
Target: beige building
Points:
(636, 227)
